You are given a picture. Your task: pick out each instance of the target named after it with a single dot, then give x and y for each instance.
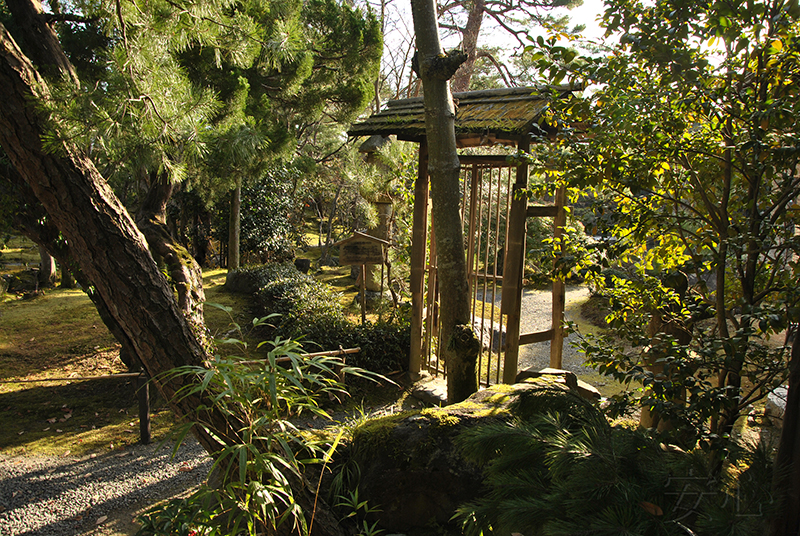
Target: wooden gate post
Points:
(512, 267)
(419, 241)
(559, 287)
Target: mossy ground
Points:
(58, 334)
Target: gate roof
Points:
(482, 117)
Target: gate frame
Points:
(510, 116)
(513, 265)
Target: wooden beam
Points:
(539, 336)
(76, 378)
(488, 159)
(143, 392)
(542, 211)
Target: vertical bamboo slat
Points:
(559, 287)
(419, 242)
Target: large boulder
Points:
(409, 466)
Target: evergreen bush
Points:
(560, 475)
(311, 311)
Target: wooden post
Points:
(363, 294)
(559, 287)
(383, 266)
(512, 267)
(143, 392)
(419, 241)
(473, 209)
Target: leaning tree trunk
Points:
(185, 274)
(39, 41)
(36, 225)
(113, 254)
(457, 341)
(107, 245)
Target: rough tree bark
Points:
(39, 40)
(112, 253)
(435, 68)
(185, 274)
(786, 480)
(32, 221)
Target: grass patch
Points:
(218, 321)
(75, 418)
(338, 278)
(59, 334)
(17, 253)
(59, 321)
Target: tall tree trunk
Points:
(786, 480)
(469, 45)
(47, 268)
(235, 226)
(457, 342)
(325, 257)
(67, 277)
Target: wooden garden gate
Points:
(494, 221)
(488, 185)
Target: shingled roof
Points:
(482, 117)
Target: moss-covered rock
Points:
(410, 468)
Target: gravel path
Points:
(49, 496)
(536, 316)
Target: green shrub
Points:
(310, 311)
(541, 251)
(261, 462)
(267, 209)
(305, 305)
(560, 475)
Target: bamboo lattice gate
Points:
(488, 185)
(485, 207)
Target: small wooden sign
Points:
(360, 252)
(361, 249)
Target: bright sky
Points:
(400, 31)
(587, 14)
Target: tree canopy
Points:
(687, 147)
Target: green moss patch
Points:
(76, 418)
